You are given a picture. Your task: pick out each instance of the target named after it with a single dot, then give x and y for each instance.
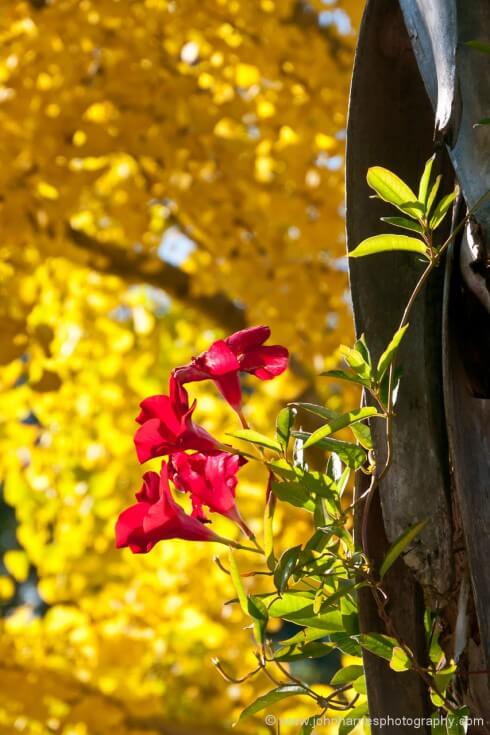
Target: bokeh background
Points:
(171, 170)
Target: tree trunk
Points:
(441, 432)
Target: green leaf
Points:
(425, 181)
(304, 636)
(285, 567)
(363, 349)
(387, 357)
(346, 675)
(438, 725)
(362, 432)
(359, 685)
(403, 223)
(308, 651)
(258, 611)
(237, 582)
(351, 720)
(343, 375)
(346, 643)
(346, 419)
(284, 424)
(351, 454)
(389, 187)
(299, 609)
(254, 437)
(442, 209)
(399, 660)
(456, 722)
(275, 695)
(400, 545)
(308, 726)
(295, 494)
(389, 243)
(479, 46)
(483, 121)
(379, 644)
(269, 511)
(355, 360)
(433, 194)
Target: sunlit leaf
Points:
(254, 437)
(389, 187)
(388, 243)
(388, 355)
(425, 181)
(399, 546)
(275, 695)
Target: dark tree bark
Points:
(416, 87)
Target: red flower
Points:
(167, 426)
(156, 516)
(242, 351)
(211, 481)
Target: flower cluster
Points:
(197, 463)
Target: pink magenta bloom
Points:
(167, 426)
(211, 481)
(242, 351)
(156, 516)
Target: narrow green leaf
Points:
(237, 582)
(483, 121)
(363, 349)
(284, 424)
(404, 223)
(379, 644)
(437, 725)
(399, 546)
(442, 209)
(304, 636)
(308, 726)
(309, 650)
(299, 609)
(362, 432)
(479, 46)
(387, 357)
(343, 375)
(275, 695)
(258, 611)
(295, 494)
(346, 419)
(433, 194)
(346, 643)
(425, 181)
(457, 722)
(269, 511)
(285, 568)
(346, 675)
(351, 719)
(356, 361)
(389, 187)
(388, 243)
(351, 454)
(254, 437)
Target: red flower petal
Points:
(129, 526)
(150, 490)
(218, 360)
(265, 362)
(246, 339)
(229, 387)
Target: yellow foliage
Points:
(211, 132)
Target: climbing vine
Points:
(313, 585)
